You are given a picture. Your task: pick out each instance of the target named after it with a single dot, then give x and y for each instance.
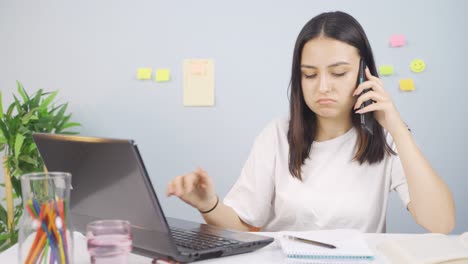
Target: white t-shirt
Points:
(336, 192)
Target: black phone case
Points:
(367, 120)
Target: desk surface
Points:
(269, 254)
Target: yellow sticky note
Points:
(163, 75)
(144, 73)
(386, 70)
(198, 82)
(406, 85)
(417, 65)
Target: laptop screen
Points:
(110, 182)
(106, 179)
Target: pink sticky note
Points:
(397, 40)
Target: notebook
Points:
(427, 249)
(350, 247)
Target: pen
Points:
(312, 242)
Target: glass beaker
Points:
(45, 231)
(109, 241)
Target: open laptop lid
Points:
(106, 175)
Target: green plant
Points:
(35, 113)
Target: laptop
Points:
(109, 181)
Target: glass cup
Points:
(45, 234)
(109, 241)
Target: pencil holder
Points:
(45, 233)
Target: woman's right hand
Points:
(196, 189)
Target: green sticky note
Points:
(386, 70)
(163, 75)
(144, 73)
(406, 85)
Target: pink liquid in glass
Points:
(107, 249)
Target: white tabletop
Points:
(269, 254)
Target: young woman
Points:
(318, 168)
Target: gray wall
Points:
(90, 50)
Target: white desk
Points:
(269, 254)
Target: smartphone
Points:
(367, 119)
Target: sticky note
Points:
(198, 68)
(417, 65)
(406, 85)
(397, 40)
(198, 82)
(386, 70)
(144, 73)
(163, 75)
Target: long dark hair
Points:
(302, 123)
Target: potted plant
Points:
(25, 115)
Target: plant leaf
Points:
(62, 122)
(28, 159)
(3, 141)
(69, 133)
(49, 99)
(1, 105)
(4, 133)
(17, 103)
(30, 115)
(4, 130)
(36, 98)
(32, 147)
(58, 117)
(22, 92)
(18, 144)
(55, 108)
(3, 240)
(10, 111)
(4, 246)
(16, 184)
(71, 124)
(3, 214)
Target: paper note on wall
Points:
(163, 75)
(397, 40)
(386, 70)
(144, 73)
(406, 85)
(417, 65)
(198, 82)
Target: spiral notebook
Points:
(350, 247)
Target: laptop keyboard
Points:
(198, 241)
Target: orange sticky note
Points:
(397, 40)
(198, 68)
(406, 85)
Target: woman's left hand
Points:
(384, 110)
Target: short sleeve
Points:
(398, 178)
(251, 196)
